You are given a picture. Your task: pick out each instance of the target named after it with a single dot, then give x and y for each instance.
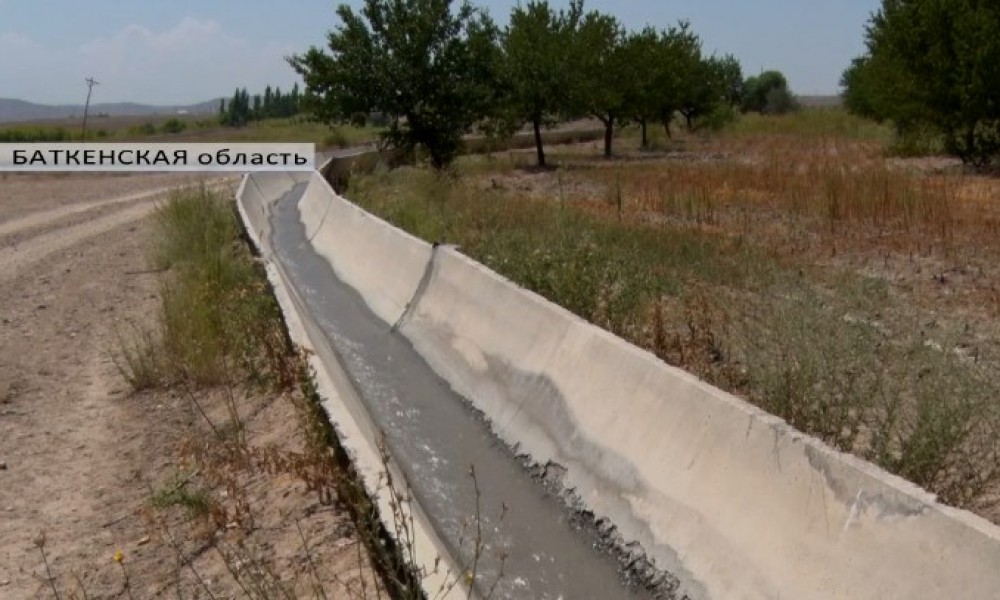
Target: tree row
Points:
(242, 108)
(438, 69)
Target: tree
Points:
(238, 112)
(294, 100)
(270, 105)
(767, 93)
(257, 112)
(680, 53)
(667, 74)
(537, 47)
(604, 72)
(173, 126)
(730, 78)
(650, 89)
(934, 63)
(859, 92)
(429, 67)
(701, 87)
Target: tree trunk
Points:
(609, 133)
(537, 125)
(666, 129)
(645, 137)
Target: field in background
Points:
(186, 128)
(786, 259)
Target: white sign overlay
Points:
(97, 156)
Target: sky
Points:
(187, 51)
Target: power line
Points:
(91, 82)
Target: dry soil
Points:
(80, 455)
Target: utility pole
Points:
(91, 82)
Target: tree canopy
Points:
(767, 93)
(429, 67)
(537, 46)
(242, 108)
(437, 69)
(933, 63)
(603, 68)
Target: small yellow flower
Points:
(119, 556)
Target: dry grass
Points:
(222, 346)
(793, 264)
(799, 186)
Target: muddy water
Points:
(550, 552)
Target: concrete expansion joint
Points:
(422, 286)
(322, 221)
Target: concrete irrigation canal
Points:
(550, 551)
(600, 471)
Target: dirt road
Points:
(78, 453)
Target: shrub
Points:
(173, 126)
(717, 120)
(336, 139)
(143, 130)
(219, 321)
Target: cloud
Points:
(193, 60)
(23, 63)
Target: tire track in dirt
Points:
(14, 259)
(67, 434)
(45, 217)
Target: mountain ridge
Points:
(13, 110)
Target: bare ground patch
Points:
(81, 457)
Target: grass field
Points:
(789, 260)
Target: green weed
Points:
(138, 358)
(219, 323)
(180, 492)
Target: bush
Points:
(219, 321)
(145, 129)
(721, 116)
(173, 126)
(336, 139)
(768, 93)
(780, 102)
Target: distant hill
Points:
(12, 110)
